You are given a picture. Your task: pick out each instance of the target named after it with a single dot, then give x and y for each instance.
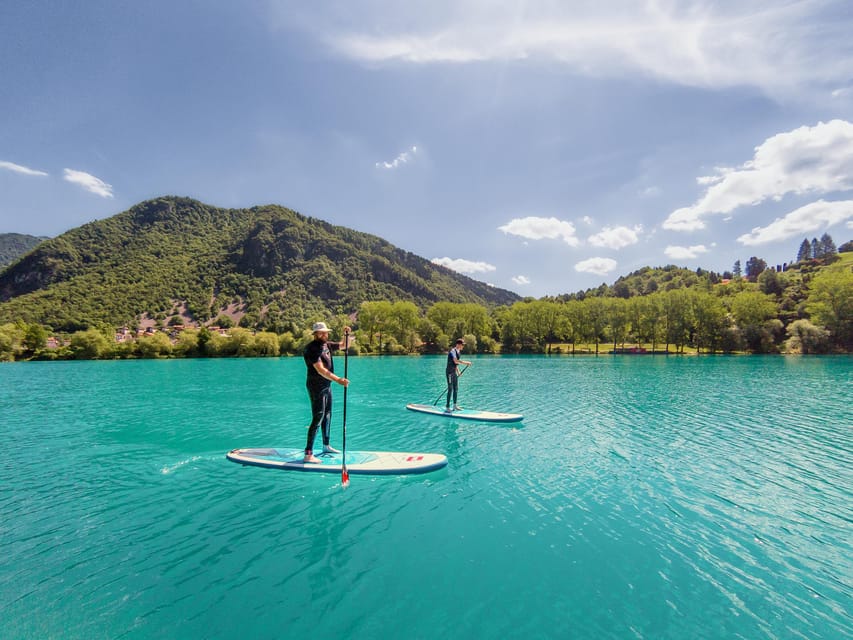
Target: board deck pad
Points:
(466, 414)
(358, 462)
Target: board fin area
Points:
(358, 462)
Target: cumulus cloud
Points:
(89, 182)
(522, 280)
(534, 228)
(598, 266)
(464, 266)
(776, 46)
(816, 159)
(16, 168)
(616, 237)
(685, 253)
(400, 160)
(810, 218)
(714, 179)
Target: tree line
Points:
(801, 311)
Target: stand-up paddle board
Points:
(466, 414)
(358, 462)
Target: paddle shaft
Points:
(344, 472)
(434, 402)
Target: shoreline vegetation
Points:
(805, 312)
(805, 307)
(558, 351)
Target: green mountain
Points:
(14, 245)
(171, 256)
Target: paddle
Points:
(344, 472)
(445, 389)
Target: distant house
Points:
(174, 330)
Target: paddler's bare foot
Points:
(312, 459)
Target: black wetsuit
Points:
(319, 391)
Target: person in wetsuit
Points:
(452, 372)
(320, 375)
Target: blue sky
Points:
(543, 147)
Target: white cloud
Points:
(815, 159)
(812, 217)
(401, 159)
(534, 228)
(776, 46)
(685, 253)
(706, 180)
(522, 280)
(89, 183)
(464, 266)
(650, 192)
(616, 237)
(16, 168)
(598, 266)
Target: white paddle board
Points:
(466, 414)
(358, 462)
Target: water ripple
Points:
(640, 497)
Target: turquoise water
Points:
(641, 497)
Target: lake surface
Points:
(641, 497)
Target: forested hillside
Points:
(14, 245)
(172, 277)
(267, 267)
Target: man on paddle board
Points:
(452, 371)
(321, 374)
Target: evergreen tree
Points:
(805, 252)
(828, 246)
(816, 252)
(736, 272)
(771, 282)
(754, 267)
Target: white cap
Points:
(319, 326)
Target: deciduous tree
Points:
(830, 304)
(806, 337)
(752, 310)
